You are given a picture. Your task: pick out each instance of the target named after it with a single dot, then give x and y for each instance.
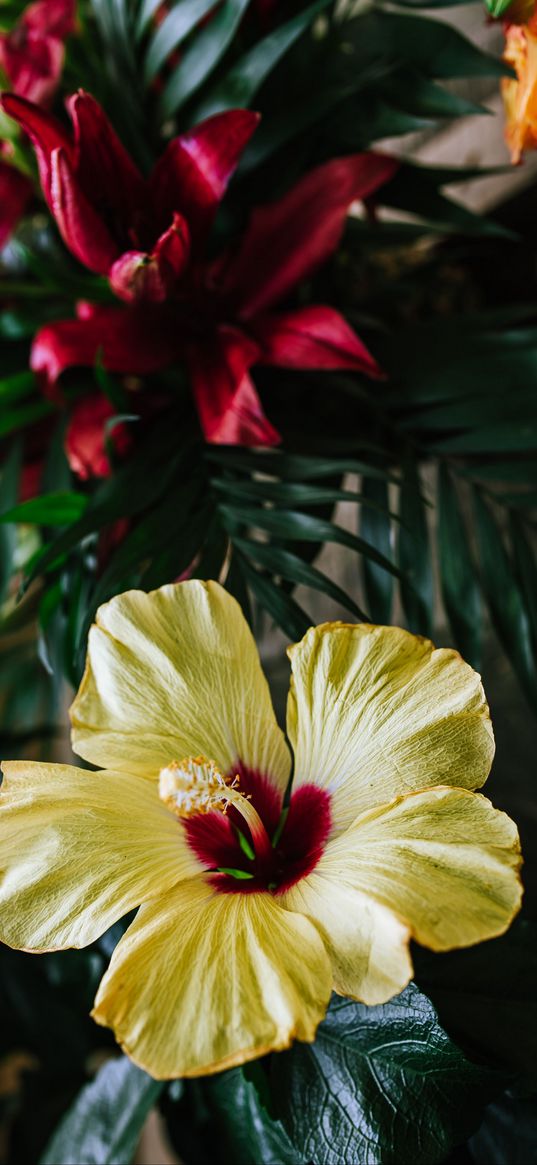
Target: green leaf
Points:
(375, 529)
(103, 1125)
(290, 566)
(239, 86)
(294, 466)
(54, 509)
(16, 387)
(287, 614)
(20, 416)
(249, 1132)
(380, 1085)
(414, 554)
(497, 8)
(182, 18)
(294, 525)
(506, 607)
(202, 56)
(460, 592)
(286, 492)
(9, 492)
(526, 571)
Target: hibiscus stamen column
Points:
(196, 785)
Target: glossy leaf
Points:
(380, 1084)
(249, 1132)
(103, 1125)
(179, 22)
(286, 613)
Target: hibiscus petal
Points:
(79, 850)
(367, 943)
(288, 239)
(375, 712)
(444, 860)
(313, 337)
(135, 341)
(81, 228)
(104, 169)
(45, 132)
(229, 408)
(193, 173)
(203, 981)
(15, 193)
(175, 674)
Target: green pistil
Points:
(241, 874)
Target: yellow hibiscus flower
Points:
(250, 912)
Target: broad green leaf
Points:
(104, 1124)
(380, 1086)
(290, 566)
(293, 525)
(457, 575)
(55, 509)
(511, 437)
(148, 9)
(16, 387)
(180, 21)
(239, 86)
(505, 603)
(249, 1132)
(485, 997)
(202, 56)
(375, 529)
(414, 554)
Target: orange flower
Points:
(520, 95)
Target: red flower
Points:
(85, 440)
(139, 233)
(15, 193)
(218, 316)
(31, 55)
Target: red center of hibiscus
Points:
(297, 834)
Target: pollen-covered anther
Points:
(196, 785)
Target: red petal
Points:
(193, 173)
(54, 18)
(85, 440)
(15, 193)
(104, 169)
(287, 240)
(81, 228)
(136, 341)
(32, 62)
(44, 131)
(228, 405)
(137, 276)
(314, 337)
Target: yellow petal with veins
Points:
(375, 712)
(367, 943)
(79, 850)
(443, 860)
(176, 673)
(203, 981)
